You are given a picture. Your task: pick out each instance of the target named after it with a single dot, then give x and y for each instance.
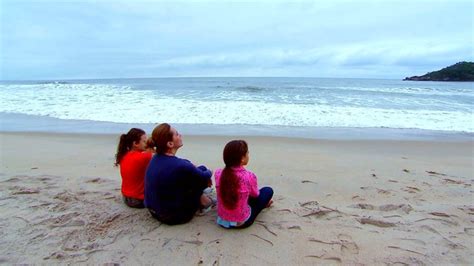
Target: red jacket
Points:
(132, 169)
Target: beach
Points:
(358, 114)
(337, 201)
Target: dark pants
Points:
(174, 218)
(184, 214)
(258, 204)
(133, 203)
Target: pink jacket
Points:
(248, 188)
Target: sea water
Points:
(254, 102)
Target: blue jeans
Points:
(258, 204)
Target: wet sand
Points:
(336, 201)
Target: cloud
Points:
(46, 39)
(363, 54)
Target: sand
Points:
(336, 202)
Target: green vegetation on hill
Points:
(462, 71)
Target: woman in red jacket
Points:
(133, 158)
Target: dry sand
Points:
(349, 202)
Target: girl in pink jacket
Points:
(239, 200)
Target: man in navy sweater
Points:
(174, 186)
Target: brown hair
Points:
(160, 136)
(126, 142)
(234, 151)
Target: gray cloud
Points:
(89, 39)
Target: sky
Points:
(78, 39)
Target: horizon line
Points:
(185, 77)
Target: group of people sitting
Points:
(173, 189)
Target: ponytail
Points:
(229, 182)
(229, 185)
(126, 143)
(160, 136)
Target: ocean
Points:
(248, 102)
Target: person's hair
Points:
(233, 153)
(160, 136)
(126, 143)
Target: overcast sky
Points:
(113, 39)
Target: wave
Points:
(123, 104)
(251, 89)
(417, 91)
(53, 82)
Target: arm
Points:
(209, 181)
(201, 173)
(252, 181)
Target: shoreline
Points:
(40, 124)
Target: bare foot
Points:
(205, 201)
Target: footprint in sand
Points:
(312, 208)
(348, 246)
(96, 180)
(24, 191)
(385, 208)
(56, 255)
(12, 179)
(467, 209)
(413, 240)
(66, 196)
(469, 231)
(357, 197)
(363, 206)
(379, 223)
(411, 189)
(379, 190)
(44, 178)
(60, 220)
(392, 207)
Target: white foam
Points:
(409, 90)
(125, 105)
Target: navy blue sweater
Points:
(173, 187)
